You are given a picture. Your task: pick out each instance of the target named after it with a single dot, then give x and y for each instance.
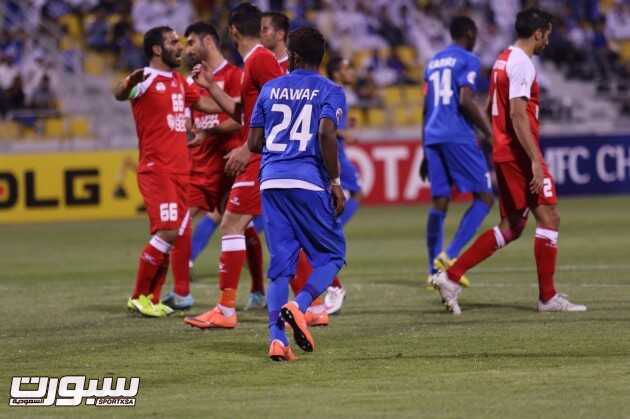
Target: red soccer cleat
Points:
(213, 319)
(292, 315)
(279, 352)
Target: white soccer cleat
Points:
(560, 302)
(449, 291)
(334, 299)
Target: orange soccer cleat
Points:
(279, 352)
(213, 319)
(316, 319)
(292, 315)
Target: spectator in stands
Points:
(607, 62)
(147, 14)
(130, 56)
(11, 93)
(367, 93)
(388, 30)
(395, 64)
(97, 32)
(44, 97)
(618, 21)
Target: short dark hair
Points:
(460, 26)
(202, 29)
(246, 18)
(279, 21)
(153, 37)
(333, 65)
(530, 20)
(309, 44)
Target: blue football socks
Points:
(468, 226)
(320, 279)
(277, 296)
(203, 232)
(435, 235)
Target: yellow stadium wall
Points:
(68, 186)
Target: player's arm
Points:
(227, 127)
(521, 124)
(255, 139)
(328, 147)
(488, 107)
(207, 105)
(123, 89)
(471, 110)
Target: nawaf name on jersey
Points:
(289, 109)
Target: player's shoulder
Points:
(261, 54)
(518, 59)
(155, 81)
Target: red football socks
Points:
(151, 260)
(255, 260)
(485, 245)
(302, 272)
(181, 256)
(546, 251)
(159, 280)
(232, 258)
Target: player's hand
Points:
(424, 169)
(202, 75)
(538, 177)
(339, 199)
(199, 136)
(237, 159)
(136, 77)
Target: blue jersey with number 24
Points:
(289, 109)
(447, 72)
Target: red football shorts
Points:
(513, 178)
(207, 190)
(165, 198)
(244, 196)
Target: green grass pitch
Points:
(392, 352)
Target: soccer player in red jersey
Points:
(244, 198)
(215, 136)
(274, 32)
(159, 96)
(525, 184)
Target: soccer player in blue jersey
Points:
(294, 126)
(452, 155)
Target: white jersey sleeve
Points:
(521, 74)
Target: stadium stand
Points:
(59, 58)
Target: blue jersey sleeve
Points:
(467, 76)
(334, 106)
(258, 115)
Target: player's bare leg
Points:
(545, 252)
(233, 255)
(181, 298)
